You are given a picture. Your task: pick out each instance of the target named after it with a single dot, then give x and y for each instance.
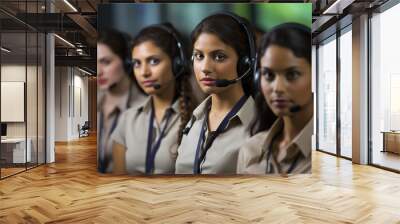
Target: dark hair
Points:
(118, 42)
(293, 36)
(229, 31)
(168, 44)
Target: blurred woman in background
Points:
(117, 91)
(284, 79)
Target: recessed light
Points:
(64, 40)
(70, 5)
(5, 49)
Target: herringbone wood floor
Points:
(71, 191)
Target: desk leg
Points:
(384, 142)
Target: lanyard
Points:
(201, 148)
(292, 166)
(152, 150)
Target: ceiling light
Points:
(65, 41)
(70, 5)
(84, 71)
(5, 50)
(337, 7)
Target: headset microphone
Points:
(112, 86)
(226, 82)
(156, 86)
(296, 108)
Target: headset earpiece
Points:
(257, 75)
(257, 80)
(246, 61)
(127, 61)
(128, 66)
(177, 66)
(179, 62)
(192, 59)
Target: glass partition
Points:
(23, 88)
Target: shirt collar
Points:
(245, 114)
(119, 104)
(199, 112)
(133, 95)
(122, 102)
(302, 140)
(147, 103)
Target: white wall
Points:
(71, 93)
(61, 103)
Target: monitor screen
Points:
(3, 129)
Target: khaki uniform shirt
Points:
(253, 155)
(131, 99)
(221, 157)
(132, 132)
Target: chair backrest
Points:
(86, 125)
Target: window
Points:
(385, 89)
(327, 96)
(346, 92)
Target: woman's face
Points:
(151, 65)
(110, 69)
(213, 59)
(285, 80)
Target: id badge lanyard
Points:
(202, 145)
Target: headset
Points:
(245, 63)
(179, 62)
(127, 62)
(257, 65)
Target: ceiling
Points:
(76, 23)
(330, 15)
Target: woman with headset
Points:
(147, 137)
(284, 76)
(117, 91)
(223, 56)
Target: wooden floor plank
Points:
(71, 191)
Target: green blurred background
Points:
(185, 16)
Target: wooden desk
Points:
(13, 150)
(391, 141)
